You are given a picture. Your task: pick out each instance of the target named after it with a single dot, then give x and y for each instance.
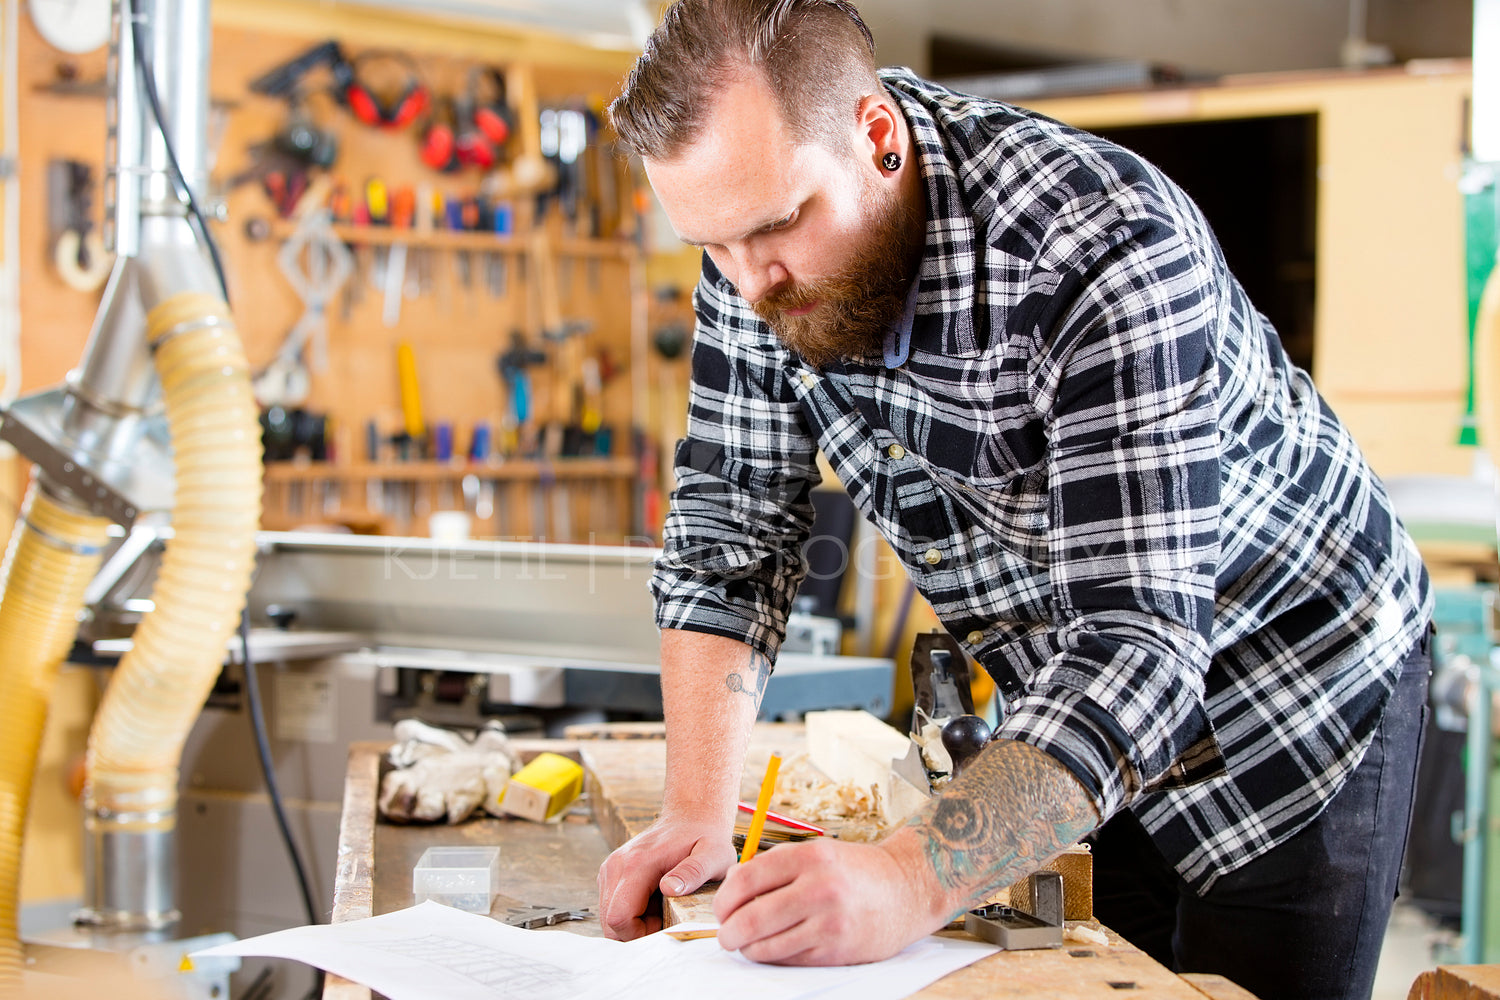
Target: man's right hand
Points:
(710, 691)
(674, 857)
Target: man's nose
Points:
(757, 278)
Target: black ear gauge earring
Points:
(891, 161)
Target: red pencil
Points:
(795, 824)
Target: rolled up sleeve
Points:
(732, 544)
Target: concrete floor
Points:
(1413, 944)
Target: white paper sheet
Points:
(431, 950)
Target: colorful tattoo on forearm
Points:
(1012, 810)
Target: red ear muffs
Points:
(439, 146)
(494, 124)
(475, 149)
(364, 97)
(363, 106)
(410, 105)
(484, 120)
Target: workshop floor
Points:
(1413, 944)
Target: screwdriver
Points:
(377, 201)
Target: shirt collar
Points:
(898, 337)
(945, 285)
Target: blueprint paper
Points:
(431, 950)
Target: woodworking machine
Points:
(355, 632)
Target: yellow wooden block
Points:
(543, 788)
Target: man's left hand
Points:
(826, 902)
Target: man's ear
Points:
(876, 131)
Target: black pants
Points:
(1304, 920)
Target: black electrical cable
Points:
(268, 770)
(148, 84)
(260, 986)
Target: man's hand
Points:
(825, 902)
(674, 857)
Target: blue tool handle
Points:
(479, 445)
(520, 395)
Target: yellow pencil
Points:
(758, 821)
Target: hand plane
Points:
(940, 686)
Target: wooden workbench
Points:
(555, 864)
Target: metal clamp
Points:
(531, 917)
(1016, 930)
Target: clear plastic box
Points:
(465, 878)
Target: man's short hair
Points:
(817, 57)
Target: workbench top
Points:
(555, 864)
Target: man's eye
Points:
(782, 223)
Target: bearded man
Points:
(1021, 350)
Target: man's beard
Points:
(857, 306)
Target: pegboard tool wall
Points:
(456, 332)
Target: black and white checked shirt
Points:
(1101, 470)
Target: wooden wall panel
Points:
(1390, 337)
(457, 331)
(1391, 302)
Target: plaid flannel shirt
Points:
(1099, 467)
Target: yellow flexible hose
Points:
(157, 691)
(53, 554)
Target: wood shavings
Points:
(935, 756)
(804, 792)
(1084, 934)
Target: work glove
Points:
(440, 775)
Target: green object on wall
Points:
(1481, 241)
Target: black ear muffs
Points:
(385, 90)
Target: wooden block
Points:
(857, 748)
(543, 788)
(1457, 982)
(625, 779)
(1076, 866)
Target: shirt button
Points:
(975, 637)
(932, 557)
(809, 379)
(896, 451)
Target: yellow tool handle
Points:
(377, 199)
(411, 396)
(592, 377)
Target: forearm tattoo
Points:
(751, 681)
(1012, 810)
